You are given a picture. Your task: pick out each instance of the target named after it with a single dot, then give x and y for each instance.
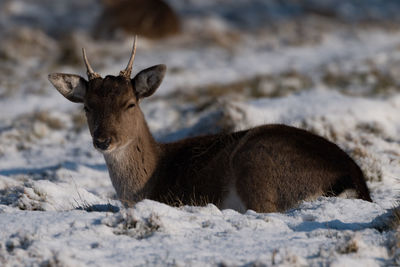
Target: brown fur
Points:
(271, 167)
(149, 18)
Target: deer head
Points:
(111, 103)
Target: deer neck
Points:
(132, 167)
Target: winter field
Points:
(331, 67)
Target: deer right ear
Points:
(148, 80)
(72, 87)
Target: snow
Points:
(156, 234)
(57, 204)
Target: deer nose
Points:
(102, 143)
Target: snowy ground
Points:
(337, 76)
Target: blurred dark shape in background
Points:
(51, 30)
(150, 18)
(161, 18)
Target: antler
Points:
(128, 70)
(90, 73)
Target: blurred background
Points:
(218, 52)
(216, 47)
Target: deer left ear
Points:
(71, 86)
(148, 80)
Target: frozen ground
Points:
(57, 204)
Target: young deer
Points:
(268, 168)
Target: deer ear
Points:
(148, 80)
(72, 87)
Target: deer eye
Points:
(132, 105)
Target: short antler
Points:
(90, 73)
(127, 72)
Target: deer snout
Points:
(102, 143)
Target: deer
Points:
(154, 19)
(269, 168)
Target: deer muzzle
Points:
(102, 143)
